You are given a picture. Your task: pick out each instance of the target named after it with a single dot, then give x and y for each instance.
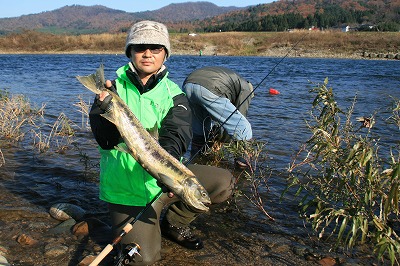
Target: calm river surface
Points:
(278, 120)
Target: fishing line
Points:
(219, 126)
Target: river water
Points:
(277, 119)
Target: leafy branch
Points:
(348, 190)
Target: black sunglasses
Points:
(154, 48)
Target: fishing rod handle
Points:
(128, 227)
(109, 247)
(102, 255)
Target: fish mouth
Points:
(206, 202)
(195, 196)
(199, 205)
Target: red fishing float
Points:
(273, 91)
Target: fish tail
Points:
(94, 82)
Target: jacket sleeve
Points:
(176, 128)
(105, 132)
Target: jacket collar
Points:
(133, 76)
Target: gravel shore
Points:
(30, 236)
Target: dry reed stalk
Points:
(15, 112)
(60, 136)
(83, 108)
(2, 160)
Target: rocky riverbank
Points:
(31, 236)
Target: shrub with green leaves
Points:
(348, 191)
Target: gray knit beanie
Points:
(148, 32)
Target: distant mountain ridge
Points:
(78, 19)
(282, 15)
(188, 11)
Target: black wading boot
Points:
(181, 235)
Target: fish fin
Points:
(154, 131)
(166, 180)
(122, 148)
(99, 77)
(94, 82)
(109, 116)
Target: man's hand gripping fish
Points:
(146, 150)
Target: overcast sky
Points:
(17, 8)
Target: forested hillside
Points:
(374, 15)
(77, 19)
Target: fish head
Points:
(195, 195)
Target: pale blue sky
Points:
(16, 8)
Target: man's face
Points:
(147, 59)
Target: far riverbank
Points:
(310, 44)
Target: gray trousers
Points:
(219, 184)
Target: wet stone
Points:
(81, 229)
(65, 211)
(3, 251)
(38, 225)
(97, 248)
(54, 250)
(87, 260)
(301, 250)
(26, 240)
(3, 261)
(327, 261)
(64, 227)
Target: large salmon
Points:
(146, 150)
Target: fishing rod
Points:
(132, 249)
(219, 126)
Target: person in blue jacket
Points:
(219, 98)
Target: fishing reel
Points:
(128, 254)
